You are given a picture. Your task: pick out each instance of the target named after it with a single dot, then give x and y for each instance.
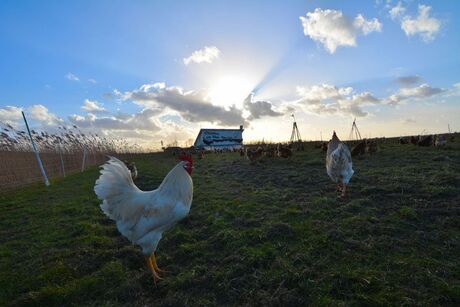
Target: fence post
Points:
(37, 155)
(84, 158)
(62, 160)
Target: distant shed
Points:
(210, 139)
(174, 150)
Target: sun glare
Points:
(231, 90)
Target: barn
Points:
(212, 139)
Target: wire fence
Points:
(65, 151)
(20, 168)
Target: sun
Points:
(231, 90)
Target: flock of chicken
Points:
(270, 151)
(438, 140)
(143, 216)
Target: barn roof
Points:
(219, 129)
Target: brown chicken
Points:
(254, 155)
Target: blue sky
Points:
(398, 74)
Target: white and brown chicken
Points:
(143, 216)
(338, 164)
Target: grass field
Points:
(274, 233)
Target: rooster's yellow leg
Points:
(155, 275)
(155, 265)
(344, 191)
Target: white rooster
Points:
(142, 217)
(338, 163)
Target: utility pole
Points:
(354, 133)
(295, 134)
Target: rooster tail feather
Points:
(117, 191)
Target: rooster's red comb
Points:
(186, 157)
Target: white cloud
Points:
(367, 26)
(75, 118)
(330, 99)
(10, 114)
(72, 77)
(364, 98)
(38, 112)
(154, 86)
(333, 29)
(195, 106)
(41, 113)
(192, 105)
(144, 127)
(455, 90)
(424, 90)
(316, 93)
(425, 26)
(323, 109)
(206, 55)
(354, 105)
(258, 109)
(419, 92)
(93, 107)
(355, 111)
(93, 81)
(144, 120)
(397, 11)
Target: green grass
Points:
(273, 233)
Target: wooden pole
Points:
(37, 155)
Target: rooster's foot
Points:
(151, 267)
(344, 191)
(155, 265)
(339, 187)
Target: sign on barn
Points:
(211, 139)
